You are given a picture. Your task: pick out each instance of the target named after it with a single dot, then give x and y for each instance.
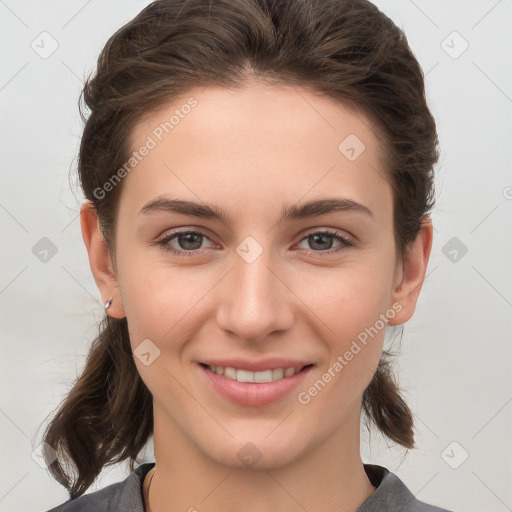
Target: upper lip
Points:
(256, 366)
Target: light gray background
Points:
(456, 351)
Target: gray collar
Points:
(391, 495)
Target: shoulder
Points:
(125, 495)
(391, 494)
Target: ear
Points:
(100, 260)
(411, 274)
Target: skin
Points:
(250, 151)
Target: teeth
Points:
(289, 372)
(258, 377)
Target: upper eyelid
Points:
(185, 231)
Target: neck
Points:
(329, 477)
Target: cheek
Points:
(348, 300)
(353, 307)
(354, 311)
(162, 301)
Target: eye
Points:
(188, 242)
(324, 240)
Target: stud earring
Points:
(107, 304)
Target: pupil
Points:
(189, 238)
(320, 236)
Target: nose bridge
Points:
(256, 303)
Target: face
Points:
(267, 284)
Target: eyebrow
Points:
(290, 211)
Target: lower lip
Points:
(254, 394)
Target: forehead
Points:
(257, 143)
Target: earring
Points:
(107, 304)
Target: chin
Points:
(256, 453)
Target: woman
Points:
(258, 178)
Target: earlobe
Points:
(412, 274)
(100, 260)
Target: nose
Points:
(256, 301)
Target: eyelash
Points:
(163, 243)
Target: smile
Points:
(253, 388)
(258, 377)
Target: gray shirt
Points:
(390, 495)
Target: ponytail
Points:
(384, 405)
(106, 417)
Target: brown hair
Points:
(345, 49)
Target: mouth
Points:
(259, 377)
(253, 388)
